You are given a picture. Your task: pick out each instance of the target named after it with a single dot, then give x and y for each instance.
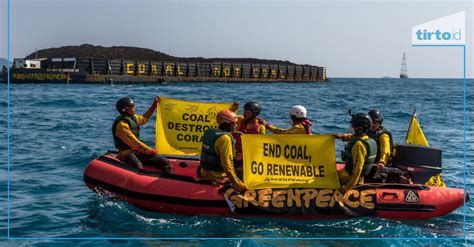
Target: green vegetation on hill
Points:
(133, 53)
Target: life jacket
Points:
(253, 129)
(210, 160)
(376, 136)
(307, 125)
(371, 146)
(134, 127)
(243, 128)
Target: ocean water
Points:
(57, 129)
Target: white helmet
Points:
(298, 111)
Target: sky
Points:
(349, 38)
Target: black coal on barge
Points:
(75, 70)
(118, 64)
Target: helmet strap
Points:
(226, 127)
(254, 116)
(297, 120)
(359, 130)
(124, 112)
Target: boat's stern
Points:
(418, 202)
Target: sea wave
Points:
(56, 129)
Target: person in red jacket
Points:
(126, 134)
(248, 123)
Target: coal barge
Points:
(96, 64)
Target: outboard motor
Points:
(391, 175)
(420, 162)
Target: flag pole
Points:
(409, 126)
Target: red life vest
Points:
(243, 128)
(307, 125)
(253, 129)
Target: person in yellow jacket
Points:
(301, 125)
(383, 137)
(217, 155)
(384, 140)
(359, 154)
(126, 134)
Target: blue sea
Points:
(57, 129)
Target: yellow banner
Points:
(180, 125)
(415, 134)
(289, 161)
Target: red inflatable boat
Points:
(181, 192)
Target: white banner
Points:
(448, 30)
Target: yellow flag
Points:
(436, 181)
(289, 161)
(415, 134)
(180, 125)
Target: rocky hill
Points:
(133, 53)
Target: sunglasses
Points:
(131, 106)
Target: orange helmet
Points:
(226, 116)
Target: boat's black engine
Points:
(420, 162)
